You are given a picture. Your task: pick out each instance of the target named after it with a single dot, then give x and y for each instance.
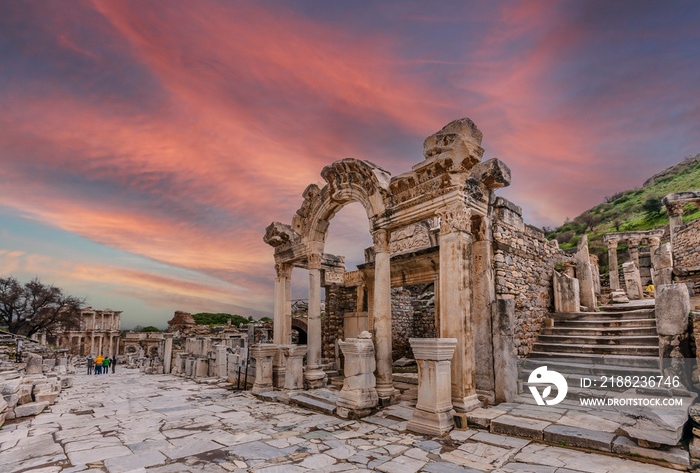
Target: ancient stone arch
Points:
(444, 204)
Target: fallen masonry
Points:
(129, 422)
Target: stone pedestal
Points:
(201, 368)
(359, 395)
(433, 412)
(263, 354)
(294, 362)
(566, 293)
(633, 282)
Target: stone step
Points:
(638, 340)
(591, 367)
(634, 314)
(635, 350)
(603, 323)
(614, 360)
(629, 306)
(337, 381)
(595, 384)
(605, 332)
(313, 402)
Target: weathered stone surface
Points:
(566, 293)
(482, 418)
(658, 425)
(31, 409)
(294, 366)
(359, 394)
(505, 361)
(171, 425)
(263, 354)
(433, 413)
(620, 297)
(672, 309)
(633, 282)
(578, 437)
(34, 364)
(585, 276)
(519, 426)
(676, 456)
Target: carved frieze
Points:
(336, 276)
(409, 239)
(454, 218)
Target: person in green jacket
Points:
(105, 366)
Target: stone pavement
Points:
(130, 422)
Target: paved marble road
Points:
(130, 422)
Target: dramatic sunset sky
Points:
(145, 146)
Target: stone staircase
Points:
(594, 345)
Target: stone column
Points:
(281, 334)
(358, 396)
(294, 355)
(612, 265)
(585, 276)
(101, 337)
(168, 352)
(433, 412)
(663, 265)
(675, 216)
(111, 346)
(315, 377)
(633, 246)
(221, 361)
(455, 301)
(654, 244)
(382, 315)
(263, 354)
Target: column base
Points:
(431, 423)
(316, 378)
(262, 388)
(352, 414)
(387, 395)
(278, 376)
(466, 404)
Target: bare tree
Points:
(26, 309)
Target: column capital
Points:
(654, 241)
(454, 218)
(612, 244)
(381, 241)
(675, 209)
(283, 270)
(315, 260)
(633, 242)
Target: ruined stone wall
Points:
(524, 261)
(686, 246)
(412, 316)
(339, 299)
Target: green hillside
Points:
(637, 209)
